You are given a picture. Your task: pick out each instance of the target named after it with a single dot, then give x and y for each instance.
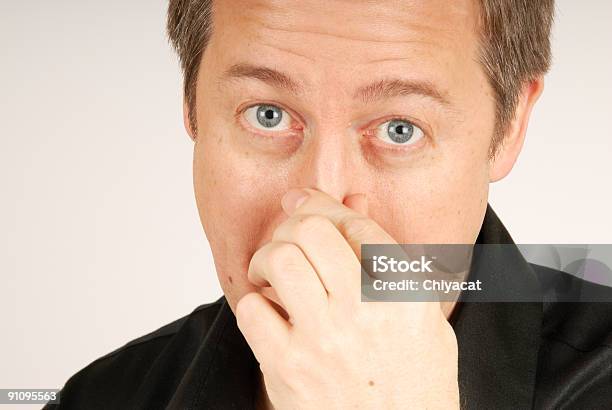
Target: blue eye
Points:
(399, 132)
(267, 117)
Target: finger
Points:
(356, 228)
(284, 266)
(326, 250)
(358, 203)
(266, 332)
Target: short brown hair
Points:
(514, 36)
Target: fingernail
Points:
(292, 199)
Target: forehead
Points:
(348, 40)
(384, 24)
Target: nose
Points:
(327, 162)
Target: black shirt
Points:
(511, 355)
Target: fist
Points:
(330, 349)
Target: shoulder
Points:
(114, 379)
(575, 360)
(202, 316)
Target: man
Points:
(320, 126)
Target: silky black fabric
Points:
(511, 355)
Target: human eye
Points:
(399, 132)
(267, 117)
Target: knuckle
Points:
(283, 255)
(358, 227)
(293, 365)
(245, 306)
(329, 346)
(363, 321)
(368, 321)
(308, 225)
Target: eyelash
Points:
(372, 128)
(240, 118)
(370, 134)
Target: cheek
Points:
(442, 202)
(238, 200)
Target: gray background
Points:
(99, 236)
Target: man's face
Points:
(385, 98)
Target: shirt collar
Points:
(499, 341)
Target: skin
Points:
(432, 190)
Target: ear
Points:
(186, 121)
(510, 147)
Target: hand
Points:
(335, 351)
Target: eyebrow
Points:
(267, 75)
(385, 88)
(389, 88)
